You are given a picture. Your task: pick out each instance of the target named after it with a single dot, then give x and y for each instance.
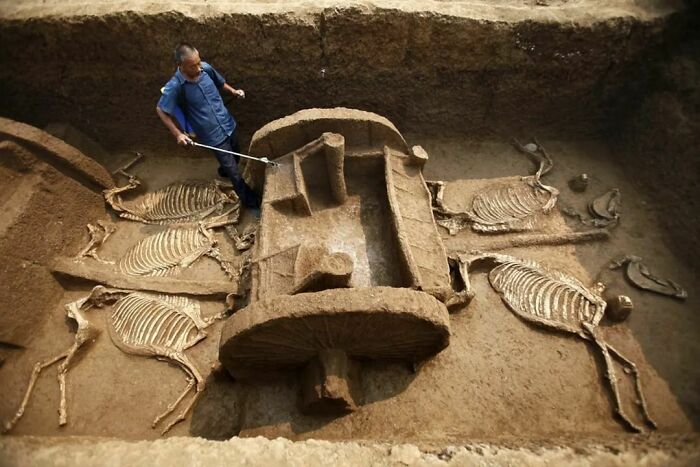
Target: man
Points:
(195, 90)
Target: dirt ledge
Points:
(661, 451)
(582, 11)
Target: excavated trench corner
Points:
(343, 331)
(50, 190)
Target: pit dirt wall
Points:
(442, 66)
(660, 133)
(49, 191)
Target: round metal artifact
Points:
(579, 183)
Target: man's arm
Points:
(220, 81)
(167, 104)
(169, 122)
(235, 92)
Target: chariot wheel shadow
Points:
(228, 408)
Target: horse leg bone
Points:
(98, 236)
(219, 221)
(190, 383)
(201, 335)
(182, 359)
(195, 255)
(544, 161)
(439, 190)
(641, 401)
(612, 379)
(222, 314)
(108, 229)
(38, 367)
(554, 195)
(171, 408)
(62, 370)
(548, 159)
(113, 195)
(92, 232)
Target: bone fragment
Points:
(453, 224)
(243, 241)
(99, 233)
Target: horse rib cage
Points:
(150, 321)
(161, 254)
(549, 297)
(179, 202)
(511, 207)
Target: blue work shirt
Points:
(204, 108)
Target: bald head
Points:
(188, 61)
(184, 51)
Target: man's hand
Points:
(184, 140)
(239, 93)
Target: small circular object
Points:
(579, 183)
(531, 147)
(619, 308)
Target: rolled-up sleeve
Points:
(168, 99)
(215, 75)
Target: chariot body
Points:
(348, 263)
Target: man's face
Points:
(191, 66)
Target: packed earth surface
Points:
(609, 89)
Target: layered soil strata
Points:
(440, 65)
(479, 71)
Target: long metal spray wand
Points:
(264, 160)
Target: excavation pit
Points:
(606, 90)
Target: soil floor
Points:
(499, 378)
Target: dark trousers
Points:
(229, 166)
